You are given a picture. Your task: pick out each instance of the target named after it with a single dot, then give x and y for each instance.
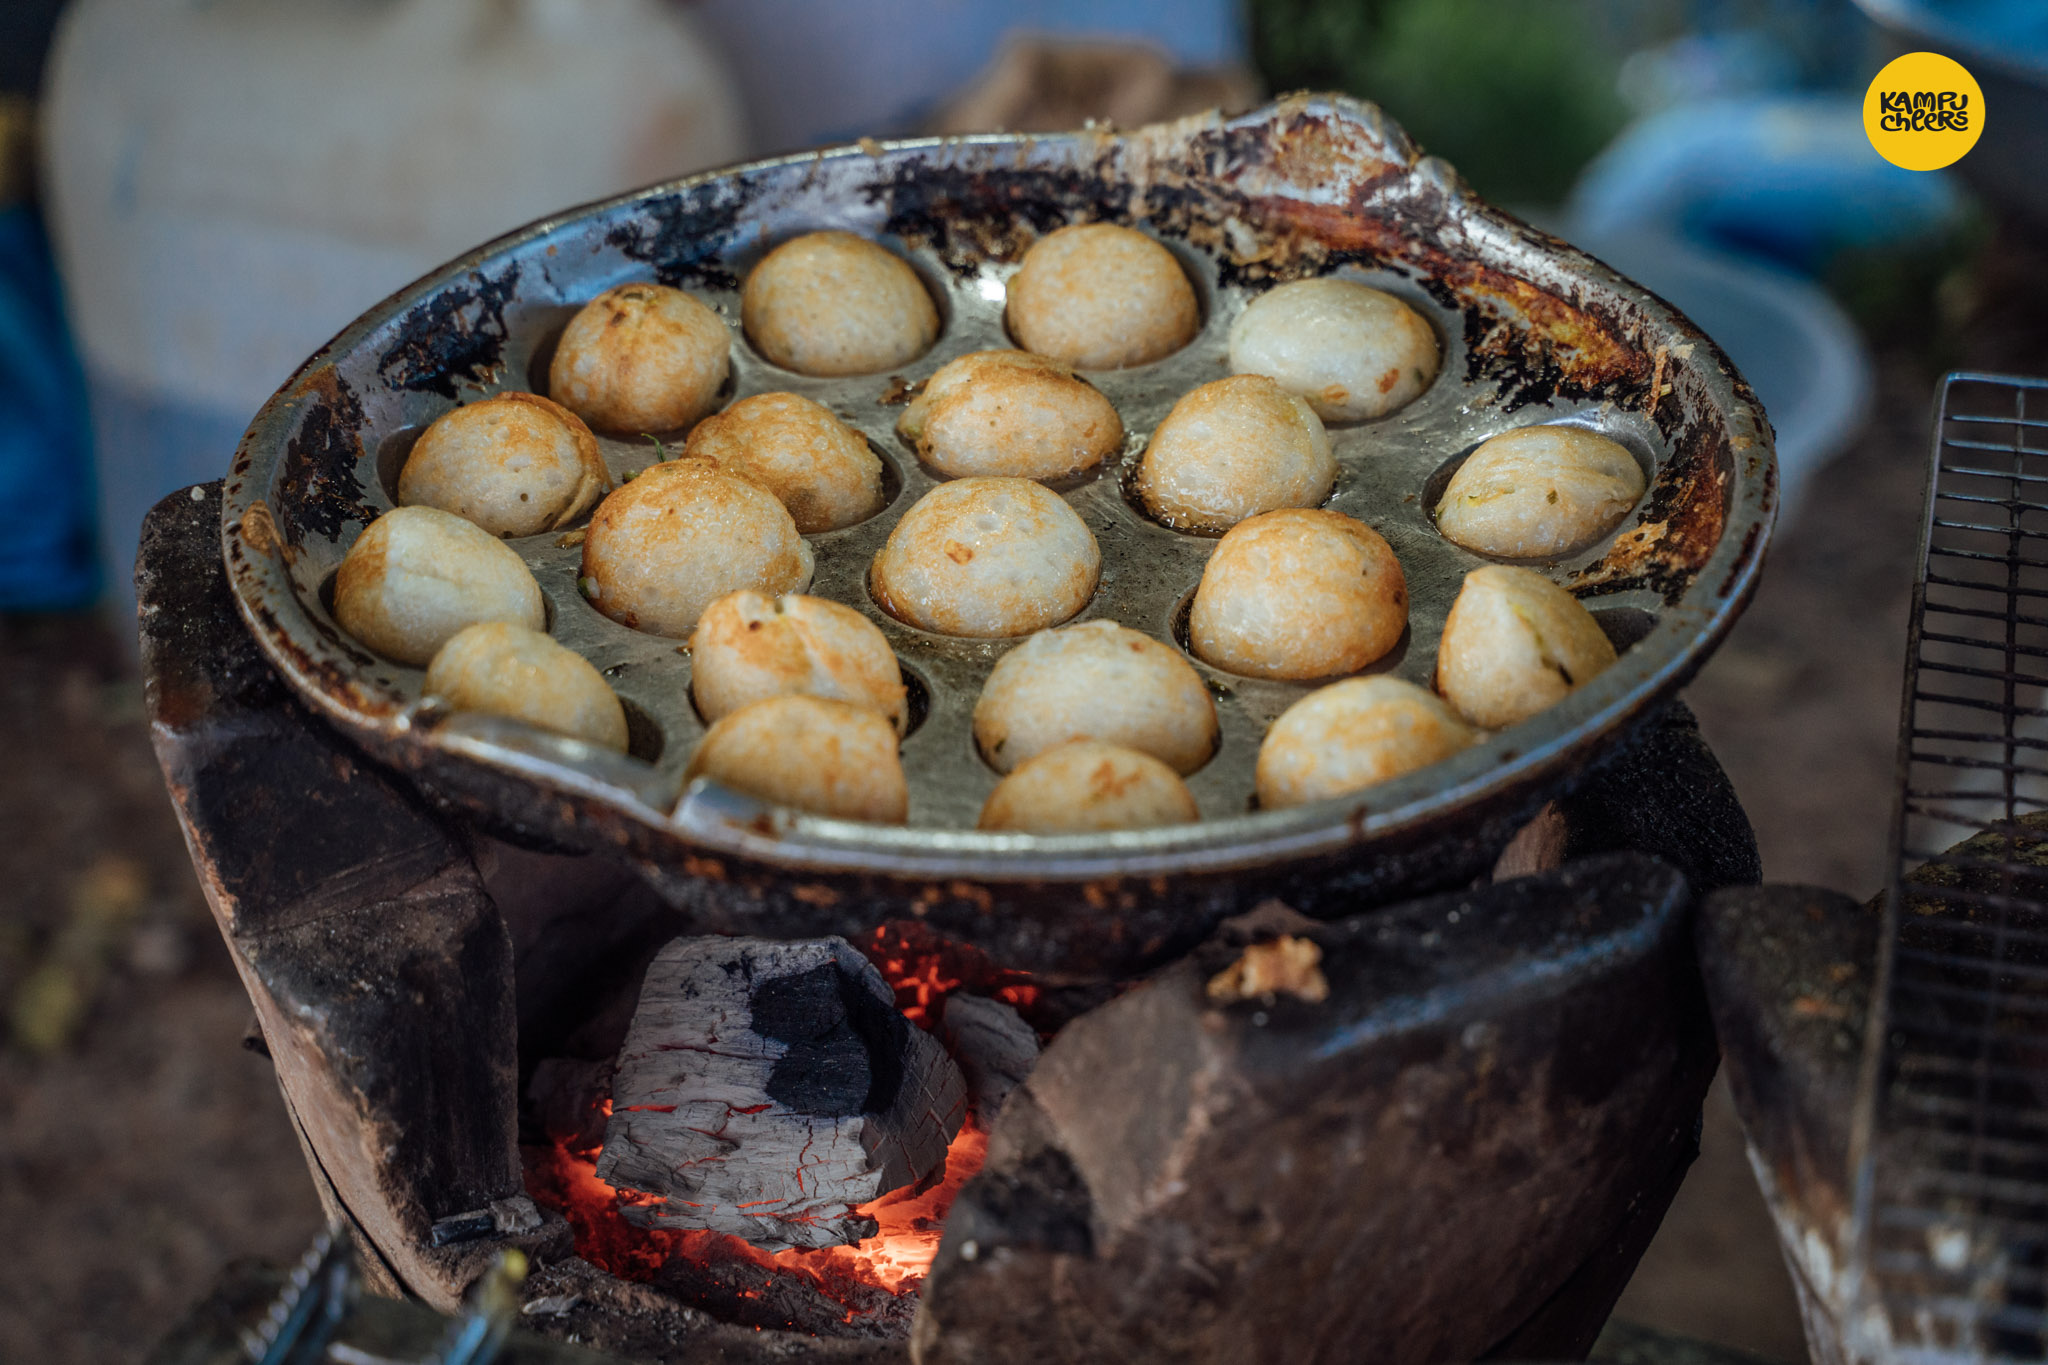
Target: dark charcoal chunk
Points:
(845, 1047)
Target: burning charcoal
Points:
(995, 1048)
(768, 1089)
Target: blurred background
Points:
(195, 194)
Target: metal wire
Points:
(1950, 1240)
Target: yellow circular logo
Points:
(1923, 111)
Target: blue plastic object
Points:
(2012, 30)
(1789, 178)
(1787, 337)
(46, 539)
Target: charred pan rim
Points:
(596, 790)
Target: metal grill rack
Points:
(1951, 1233)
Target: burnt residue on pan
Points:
(1677, 526)
(455, 337)
(971, 215)
(319, 488)
(680, 236)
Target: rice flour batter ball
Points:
(1231, 449)
(1096, 681)
(681, 535)
(748, 647)
(417, 575)
(1351, 351)
(821, 468)
(1299, 594)
(1010, 413)
(987, 558)
(1514, 644)
(1352, 734)
(812, 753)
(508, 670)
(640, 358)
(516, 465)
(1083, 787)
(1539, 492)
(1101, 297)
(831, 303)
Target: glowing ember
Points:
(923, 968)
(894, 1259)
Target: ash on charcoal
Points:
(994, 1047)
(768, 1089)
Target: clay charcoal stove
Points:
(995, 1048)
(1378, 1077)
(1501, 1082)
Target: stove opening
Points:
(864, 1288)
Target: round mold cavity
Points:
(546, 324)
(1624, 626)
(393, 451)
(644, 738)
(917, 700)
(1630, 440)
(892, 482)
(326, 597)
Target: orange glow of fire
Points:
(923, 968)
(895, 1258)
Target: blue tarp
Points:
(46, 536)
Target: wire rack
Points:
(1951, 1215)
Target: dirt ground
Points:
(141, 1146)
